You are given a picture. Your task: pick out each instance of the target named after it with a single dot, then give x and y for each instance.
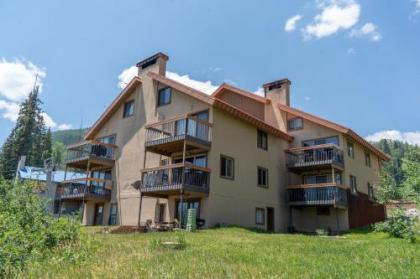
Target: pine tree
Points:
(29, 137)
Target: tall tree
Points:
(29, 137)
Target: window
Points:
(350, 149)
(323, 211)
(262, 140)
(107, 139)
(164, 96)
(353, 184)
(226, 167)
(259, 216)
(295, 124)
(370, 192)
(128, 109)
(262, 177)
(367, 159)
(113, 214)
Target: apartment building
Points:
(162, 147)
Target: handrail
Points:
(93, 142)
(184, 116)
(317, 185)
(303, 148)
(108, 183)
(178, 165)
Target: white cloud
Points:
(334, 15)
(126, 75)
(260, 92)
(307, 98)
(204, 86)
(17, 78)
(408, 137)
(291, 23)
(10, 110)
(215, 69)
(368, 30)
(50, 123)
(417, 2)
(64, 126)
(351, 51)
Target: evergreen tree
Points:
(29, 137)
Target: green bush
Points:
(399, 225)
(27, 231)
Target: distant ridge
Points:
(68, 137)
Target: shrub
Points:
(27, 231)
(399, 225)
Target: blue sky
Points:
(351, 61)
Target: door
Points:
(162, 208)
(99, 214)
(270, 219)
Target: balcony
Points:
(91, 153)
(169, 136)
(85, 189)
(323, 194)
(315, 157)
(171, 179)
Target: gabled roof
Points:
(227, 87)
(337, 127)
(118, 101)
(216, 102)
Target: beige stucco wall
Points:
(307, 220)
(130, 136)
(235, 201)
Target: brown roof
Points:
(336, 127)
(243, 115)
(227, 87)
(131, 86)
(214, 101)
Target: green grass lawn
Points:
(239, 253)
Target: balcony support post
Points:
(333, 174)
(338, 221)
(141, 201)
(184, 151)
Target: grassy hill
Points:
(68, 136)
(236, 253)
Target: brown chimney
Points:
(278, 91)
(155, 63)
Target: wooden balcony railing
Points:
(179, 128)
(175, 177)
(316, 155)
(90, 148)
(85, 188)
(317, 194)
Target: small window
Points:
(164, 96)
(262, 177)
(323, 211)
(295, 124)
(370, 191)
(367, 159)
(353, 184)
(226, 167)
(128, 109)
(350, 149)
(262, 140)
(113, 214)
(259, 216)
